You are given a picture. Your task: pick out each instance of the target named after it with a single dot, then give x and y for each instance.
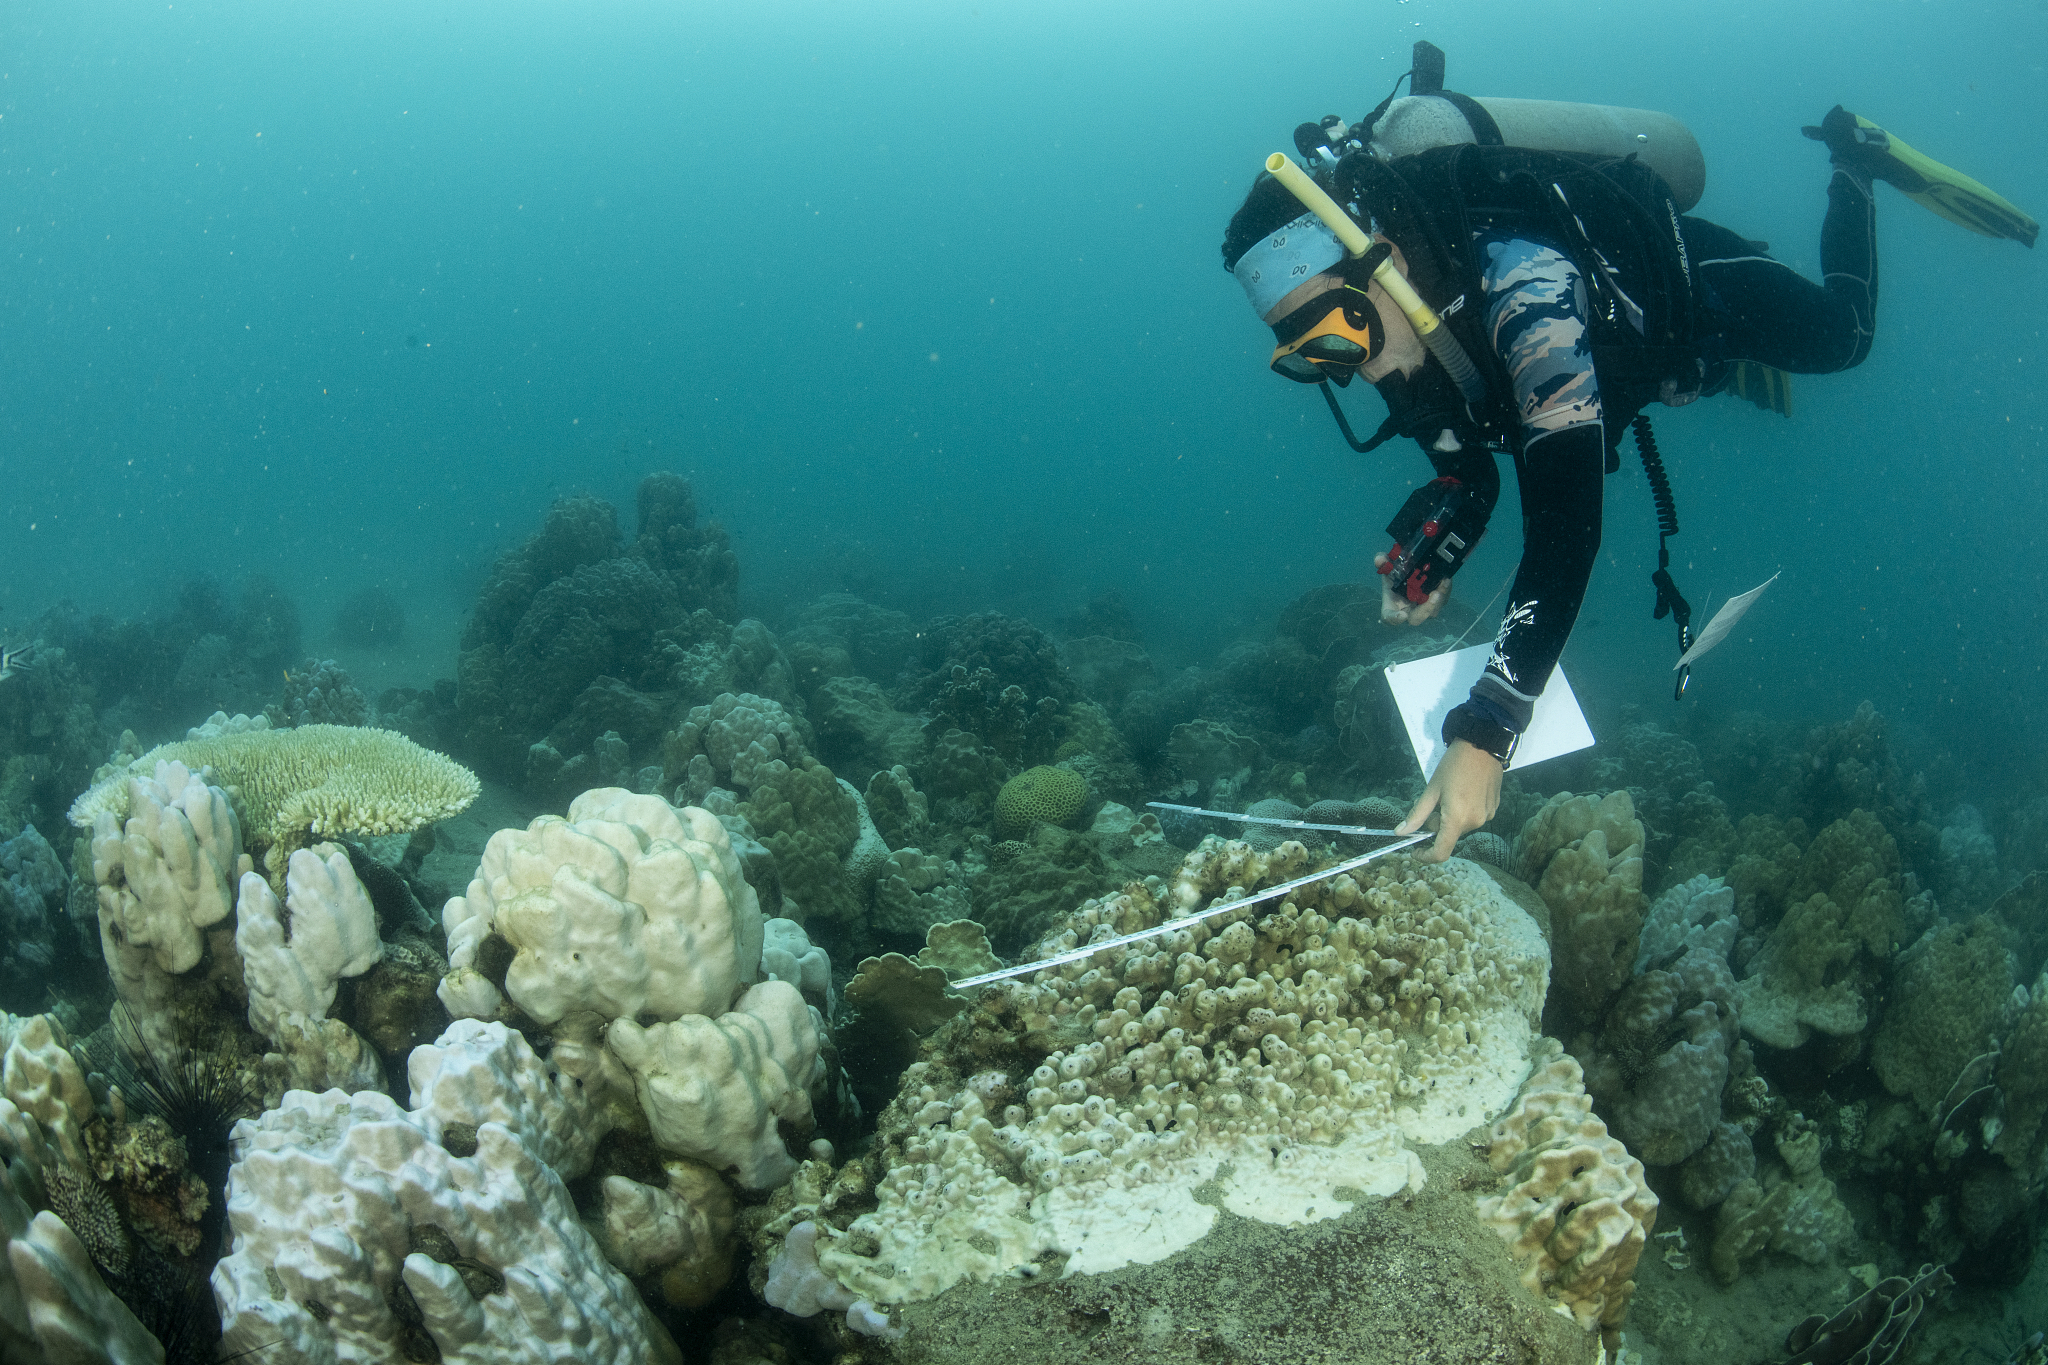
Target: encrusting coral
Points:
(1286, 1056)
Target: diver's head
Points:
(1329, 320)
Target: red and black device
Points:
(1433, 533)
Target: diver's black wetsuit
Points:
(1756, 309)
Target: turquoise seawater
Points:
(323, 306)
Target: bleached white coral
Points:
(477, 1073)
(629, 907)
(333, 935)
(341, 1206)
(164, 872)
(714, 1088)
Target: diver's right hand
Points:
(1397, 610)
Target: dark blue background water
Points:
(345, 293)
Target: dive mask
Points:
(1335, 332)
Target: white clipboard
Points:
(1425, 690)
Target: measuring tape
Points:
(1224, 908)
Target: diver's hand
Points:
(1464, 793)
(1397, 610)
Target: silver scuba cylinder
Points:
(1416, 123)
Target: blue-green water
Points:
(344, 295)
(925, 301)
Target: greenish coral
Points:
(1951, 998)
(1030, 881)
(2023, 1082)
(900, 811)
(810, 823)
(1818, 969)
(961, 775)
(1053, 795)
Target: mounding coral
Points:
(1289, 1056)
(1054, 796)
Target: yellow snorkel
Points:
(1428, 326)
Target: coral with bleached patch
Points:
(1290, 1055)
(343, 1208)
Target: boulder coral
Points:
(1054, 796)
(1285, 1058)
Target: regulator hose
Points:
(1669, 600)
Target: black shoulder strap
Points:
(1485, 131)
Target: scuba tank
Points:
(1431, 116)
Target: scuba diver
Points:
(1521, 276)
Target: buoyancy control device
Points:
(1431, 169)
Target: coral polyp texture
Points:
(1289, 1054)
(363, 1231)
(316, 779)
(1578, 1211)
(627, 907)
(1052, 795)
(630, 927)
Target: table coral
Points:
(1289, 1056)
(313, 780)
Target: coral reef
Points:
(576, 604)
(1288, 1056)
(1055, 796)
(1578, 1211)
(443, 1232)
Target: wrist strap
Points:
(1468, 723)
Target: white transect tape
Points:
(1358, 830)
(1220, 908)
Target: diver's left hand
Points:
(1397, 610)
(1464, 792)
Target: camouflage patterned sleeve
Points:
(1536, 308)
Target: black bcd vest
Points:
(1616, 220)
